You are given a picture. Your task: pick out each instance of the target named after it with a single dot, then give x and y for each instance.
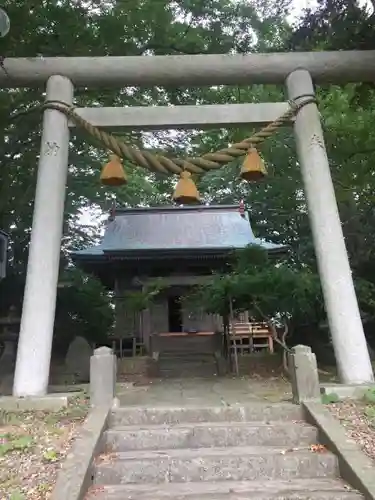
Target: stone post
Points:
(103, 373)
(39, 302)
(349, 342)
(304, 375)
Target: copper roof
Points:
(193, 228)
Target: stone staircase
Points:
(259, 451)
(182, 365)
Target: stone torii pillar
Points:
(349, 342)
(39, 303)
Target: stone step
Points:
(256, 412)
(205, 435)
(185, 355)
(191, 372)
(298, 489)
(195, 372)
(187, 362)
(170, 375)
(213, 464)
(187, 366)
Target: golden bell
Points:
(186, 191)
(113, 173)
(253, 168)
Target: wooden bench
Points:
(248, 337)
(240, 338)
(261, 336)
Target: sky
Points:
(302, 4)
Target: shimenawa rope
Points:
(163, 164)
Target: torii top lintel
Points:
(338, 67)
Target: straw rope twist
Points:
(163, 164)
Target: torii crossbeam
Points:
(194, 70)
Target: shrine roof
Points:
(196, 229)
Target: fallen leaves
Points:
(318, 448)
(107, 457)
(357, 417)
(314, 448)
(94, 491)
(32, 446)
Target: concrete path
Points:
(212, 392)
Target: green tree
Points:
(335, 25)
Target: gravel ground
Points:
(358, 418)
(32, 448)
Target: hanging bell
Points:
(253, 168)
(113, 173)
(186, 191)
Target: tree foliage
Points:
(268, 288)
(336, 25)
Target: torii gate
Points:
(296, 70)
